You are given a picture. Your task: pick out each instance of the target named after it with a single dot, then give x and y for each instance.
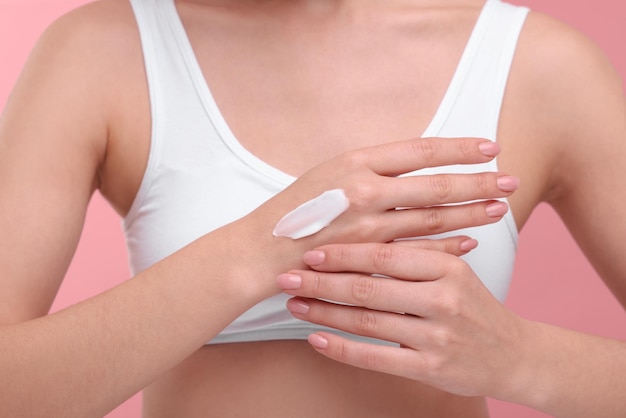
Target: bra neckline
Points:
(228, 137)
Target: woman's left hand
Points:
(453, 334)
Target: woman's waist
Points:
(288, 378)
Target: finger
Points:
(409, 223)
(419, 191)
(371, 292)
(453, 245)
(395, 158)
(399, 261)
(398, 361)
(358, 321)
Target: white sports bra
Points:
(199, 177)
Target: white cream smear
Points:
(312, 216)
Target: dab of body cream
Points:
(312, 216)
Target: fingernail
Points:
(496, 209)
(289, 281)
(508, 183)
(313, 258)
(468, 245)
(297, 306)
(490, 149)
(317, 341)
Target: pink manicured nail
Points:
(313, 258)
(496, 209)
(508, 183)
(468, 245)
(297, 306)
(490, 149)
(289, 281)
(317, 341)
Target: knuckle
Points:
(442, 187)
(372, 360)
(318, 284)
(363, 290)
(425, 149)
(433, 366)
(320, 314)
(439, 300)
(450, 246)
(467, 148)
(341, 255)
(342, 352)
(382, 258)
(365, 322)
(458, 268)
(441, 365)
(361, 195)
(434, 219)
(354, 159)
(482, 183)
(441, 337)
(449, 303)
(476, 213)
(366, 229)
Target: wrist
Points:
(258, 257)
(524, 381)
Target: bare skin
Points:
(106, 148)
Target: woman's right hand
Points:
(369, 178)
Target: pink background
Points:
(553, 282)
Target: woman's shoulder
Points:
(568, 89)
(565, 76)
(94, 32)
(94, 48)
(563, 94)
(558, 59)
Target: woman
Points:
(298, 84)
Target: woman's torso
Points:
(359, 54)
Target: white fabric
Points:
(199, 177)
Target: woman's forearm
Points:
(85, 360)
(570, 374)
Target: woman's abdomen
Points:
(289, 379)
